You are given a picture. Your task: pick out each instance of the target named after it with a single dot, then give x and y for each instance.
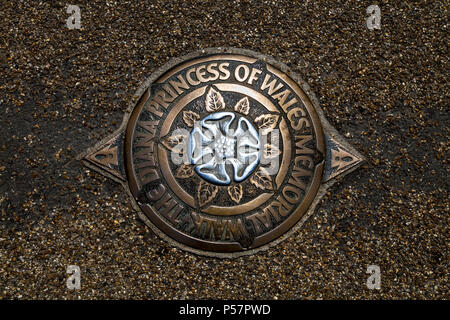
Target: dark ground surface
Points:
(63, 90)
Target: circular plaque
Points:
(224, 152)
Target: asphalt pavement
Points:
(63, 90)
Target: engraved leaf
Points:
(174, 143)
(243, 106)
(184, 171)
(206, 192)
(271, 151)
(190, 117)
(262, 179)
(266, 122)
(214, 101)
(235, 192)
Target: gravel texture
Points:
(63, 90)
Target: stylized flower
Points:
(223, 138)
(224, 147)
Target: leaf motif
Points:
(270, 151)
(243, 106)
(190, 117)
(262, 179)
(184, 171)
(235, 192)
(214, 101)
(206, 192)
(174, 143)
(266, 122)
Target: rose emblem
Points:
(222, 139)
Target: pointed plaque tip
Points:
(105, 157)
(340, 159)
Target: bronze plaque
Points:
(225, 153)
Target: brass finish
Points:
(106, 158)
(202, 60)
(238, 209)
(249, 93)
(286, 154)
(170, 179)
(178, 107)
